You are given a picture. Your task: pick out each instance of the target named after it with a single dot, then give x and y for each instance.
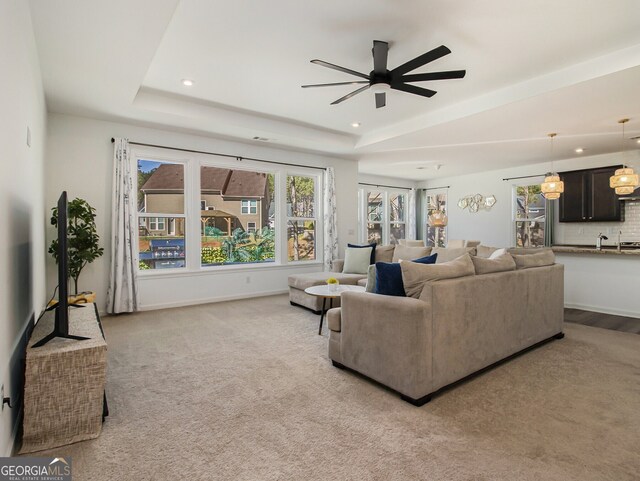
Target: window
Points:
(161, 215)
(436, 236)
(257, 214)
(301, 217)
(397, 208)
(385, 216)
(249, 206)
(239, 230)
(530, 212)
(375, 215)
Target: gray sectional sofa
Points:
(417, 346)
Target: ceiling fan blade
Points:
(421, 77)
(412, 89)
(423, 59)
(348, 96)
(380, 51)
(381, 100)
(336, 83)
(339, 69)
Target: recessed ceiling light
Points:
(355, 125)
(187, 82)
(579, 150)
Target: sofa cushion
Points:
(501, 263)
(334, 319)
(302, 281)
(497, 253)
(365, 282)
(407, 253)
(485, 251)
(384, 253)
(448, 254)
(389, 279)
(415, 276)
(539, 259)
(357, 260)
(373, 250)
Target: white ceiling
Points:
(571, 67)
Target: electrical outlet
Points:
(248, 280)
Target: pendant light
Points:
(438, 219)
(552, 186)
(625, 180)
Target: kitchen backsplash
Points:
(586, 232)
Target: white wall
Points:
(495, 228)
(22, 249)
(79, 160)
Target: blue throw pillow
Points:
(389, 279)
(373, 251)
(427, 259)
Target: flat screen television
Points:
(61, 326)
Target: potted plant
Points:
(82, 237)
(333, 284)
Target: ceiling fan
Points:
(380, 80)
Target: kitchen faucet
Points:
(599, 240)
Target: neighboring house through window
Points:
(385, 215)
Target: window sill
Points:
(219, 270)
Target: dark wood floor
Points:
(606, 321)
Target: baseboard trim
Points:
(208, 300)
(602, 310)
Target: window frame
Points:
(385, 222)
(154, 155)
(425, 224)
(318, 183)
(252, 204)
(514, 210)
(192, 213)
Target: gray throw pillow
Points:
(501, 263)
(539, 259)
(446, 255)
(371, 279)
(415, 276)
(356, 260)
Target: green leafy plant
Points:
(82, 237)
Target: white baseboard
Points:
(208, 300)
(603, 310)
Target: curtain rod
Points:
(237, 157)
(382, 185)
(523, 177)
(436, 188)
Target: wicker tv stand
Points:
(64, 400)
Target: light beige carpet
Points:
(244, 390)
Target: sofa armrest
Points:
(337, 265)
(388, 339)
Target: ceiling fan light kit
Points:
(380, 80)
(624, 180)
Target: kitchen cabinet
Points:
(587, 196)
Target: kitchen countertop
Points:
(611, 250)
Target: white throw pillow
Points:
(356, 260)
(497, 253)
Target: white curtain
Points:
(330, 219)
(122, 295)
(411, 215)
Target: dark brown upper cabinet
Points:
(587, 196)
